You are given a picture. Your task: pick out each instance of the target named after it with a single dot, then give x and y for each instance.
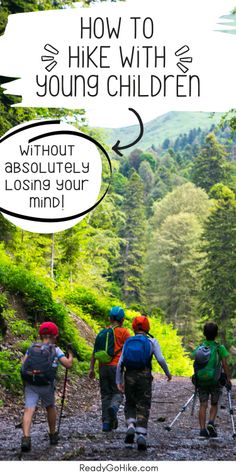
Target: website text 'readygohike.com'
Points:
(113, 467)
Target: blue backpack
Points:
(137, 352)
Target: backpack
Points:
(137, 353)
(38, 367)
(104, 347)
(207, 366)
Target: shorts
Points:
(34, 393)
(213, 392)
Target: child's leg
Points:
(144, 397)
(215, 397)
(203, 398)
(52, 417)
(116, 395)
(202, 414)
(106, 393)
(31, 400)
(130, 406)
(27, 420)
(47, 397)
(213, 412)
(130, 398)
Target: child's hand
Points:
(121, 388)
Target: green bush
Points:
(22, 328)
(94, 324)
(9, 314)
(3, 302)
(10, 377)
(23, 346)
(91, 303)
(40, 306)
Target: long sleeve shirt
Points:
(155, 351)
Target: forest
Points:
(162, 243)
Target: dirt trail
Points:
(82, 439)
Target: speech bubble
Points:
(50, 175)
(153, 56)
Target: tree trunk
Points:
(52, 256)
(126, 292)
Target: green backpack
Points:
(104, 347)
(207, 365)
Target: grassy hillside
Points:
(170, 126)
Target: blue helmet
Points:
(116, 314)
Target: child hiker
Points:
(210, 358)
(137, 384)
(38, 373)
(107, 350)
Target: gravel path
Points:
(82, 439)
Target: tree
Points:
(172, 271)
(186, 198)
(166, 144)
(130, 270)
(219, 271)
(210, 168)
(147, 176)
(174, 256)
(229, 119)
(7, 229)
(135, 159)
(33, 251)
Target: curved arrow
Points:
(117, 148)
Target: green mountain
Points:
(170, 126)
(230, 22)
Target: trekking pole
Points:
(77, 355)
(168, 428)
(62, 400)
(231, 411)
(194, 402)
(69, 347)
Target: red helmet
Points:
(141, 323)
(49, 329)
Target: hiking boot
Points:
(106, 427)
(53, 438)
(212, 430)
(130, 434)
(141, 443)
(112, 411)
(203, 434)
(25, 443)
